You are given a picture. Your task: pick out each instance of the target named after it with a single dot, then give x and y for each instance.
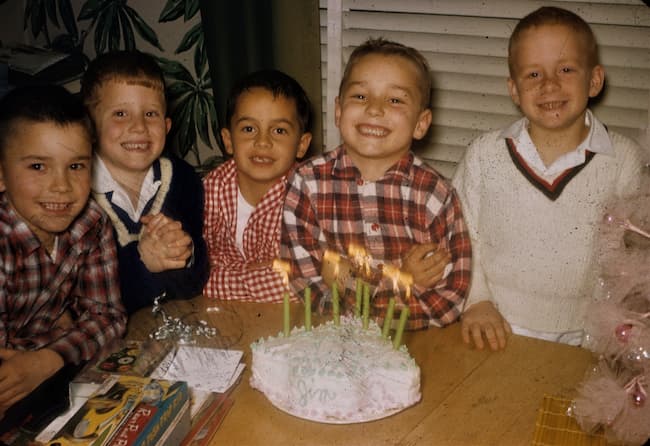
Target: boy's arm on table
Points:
(97, 318)
(302, 242)
(480, 321)
(23, 371)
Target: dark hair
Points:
(40, 103)
(550, 15)
(131, 66)
(279, 84)
(389, 48)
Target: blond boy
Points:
(534, 192)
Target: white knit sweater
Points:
(532, 257)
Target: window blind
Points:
(465, 43)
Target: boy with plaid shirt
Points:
(59, 292)
(268, 117)
(373, 192)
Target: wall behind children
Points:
(465, 42)
(172, 31)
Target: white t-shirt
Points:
(244, 212)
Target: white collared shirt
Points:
(103, 182)
(597, 141)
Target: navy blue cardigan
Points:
(179, 197)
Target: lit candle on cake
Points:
(359, 292)
(389, 318)
(361, 261)
(366, 305)
(392, 273)
(334, 258)
(403, 317)
(307, 309)
(284, 268)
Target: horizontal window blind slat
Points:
(480, 27)
(592, 12)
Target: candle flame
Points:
(333, 257)
(360, 257)
(283, 268)
(399, 278)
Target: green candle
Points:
(308, 309)
(404, 315)
(389, 318)
(366, 305)
(335, 304)
(357, 307)
(286, 314)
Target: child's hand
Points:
(65, 321)
(483, 320)
(163, 244)
(21, 372)
(426, 263)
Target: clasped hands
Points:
(163, 244)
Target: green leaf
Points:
(127, 31)
(114, 29)
(177, 90)
(191, 7)
(172, 10)
(145, 31)
(91, 10)
(50, 7)
(190, 38)
(202, 116)
(175, 70)
(67, 17)
(102, 30)
(200, 57)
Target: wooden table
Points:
(469, 397)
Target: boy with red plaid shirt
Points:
(59, 292)
(268, 118)
(373, 192)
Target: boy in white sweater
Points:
(533, 193)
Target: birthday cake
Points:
(335, 374)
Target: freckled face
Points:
(45, 175)
(131, 127)
(552, 80)
(379, 111)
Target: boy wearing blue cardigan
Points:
(155, 202)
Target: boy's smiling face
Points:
(45, 175)
(265, 138)
(131, 127)
(552, 79)
(379, 112)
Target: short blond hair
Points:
(385, 47)
(550, 15)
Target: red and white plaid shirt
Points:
(233, 273)
(35, 291)
(329, 205)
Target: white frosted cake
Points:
(333, 374)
